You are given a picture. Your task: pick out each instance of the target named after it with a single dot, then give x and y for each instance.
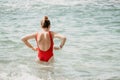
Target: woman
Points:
(44, 40)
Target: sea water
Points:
(92, 50)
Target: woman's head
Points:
(45, 23)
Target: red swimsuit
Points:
(46, 55)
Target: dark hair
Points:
(45, 23)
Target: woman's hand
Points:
(35, 49)
(56, 48)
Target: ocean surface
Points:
(92, 50)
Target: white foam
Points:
(108, 76)
(21, 72)
(3, 76)
(25, 76)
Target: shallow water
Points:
(92, 28)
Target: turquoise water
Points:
(92, 50)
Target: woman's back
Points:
(44, 40)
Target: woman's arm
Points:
(61, 37)
(28, 37)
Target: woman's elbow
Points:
(23, 39)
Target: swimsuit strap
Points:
(51, 39)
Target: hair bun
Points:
(45, 17)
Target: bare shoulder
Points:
(39, 34)
(53, 33)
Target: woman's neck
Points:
(45, 29)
